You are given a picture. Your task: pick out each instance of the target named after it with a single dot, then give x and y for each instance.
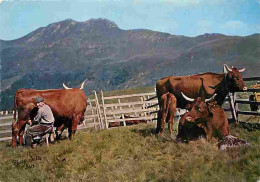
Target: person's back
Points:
(44, 115)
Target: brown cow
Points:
(167, 111)
(221, 84)
(66, 104)
(207, 115)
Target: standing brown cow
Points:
(207, 115)
(66, 104)
(221, 84)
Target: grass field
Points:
(132, 154)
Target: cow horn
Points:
(65, 86)
(242, 70)
(82, 85)
(187, 98)
(226, 68)
(212, 98)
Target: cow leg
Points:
(73, 127)
(163, 121)
(209, 131)
(170, 124)
(15, 132)
(158, 127)
(59, 131)
(18, 130)
(21, 132)
(224, 130)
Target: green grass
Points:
(131, 154)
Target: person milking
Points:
(42, 123)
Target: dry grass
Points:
(131, 154)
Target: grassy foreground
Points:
(131, 154)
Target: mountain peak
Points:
(101, 22)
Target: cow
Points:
(167, 111)
(208, 115)
(67, 105)
(221, 84)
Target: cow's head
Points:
(234, 80)
(199, 110)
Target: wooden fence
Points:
(142, 106)
(235, 101)
(135, 105)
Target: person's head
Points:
(39, 102)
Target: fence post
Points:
(98, 110)
(144, 106)
(232, 106)
(104, 108)
(123, 116)
(93, 113)
(236, 105)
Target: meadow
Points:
(132, 154)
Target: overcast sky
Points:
(177, 17)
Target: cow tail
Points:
(167, 106)
(15, 108)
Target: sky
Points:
(177, 17)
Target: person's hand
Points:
(30, 122)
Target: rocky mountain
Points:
(111, 58)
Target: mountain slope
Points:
(110, 58)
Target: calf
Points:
(167, 111)
(207, 115)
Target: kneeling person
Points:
(42, 122)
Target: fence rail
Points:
(137, 107)
(235, 101)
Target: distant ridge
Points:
(111, 58)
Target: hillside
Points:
(111, 58)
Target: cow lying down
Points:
(209, 116)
